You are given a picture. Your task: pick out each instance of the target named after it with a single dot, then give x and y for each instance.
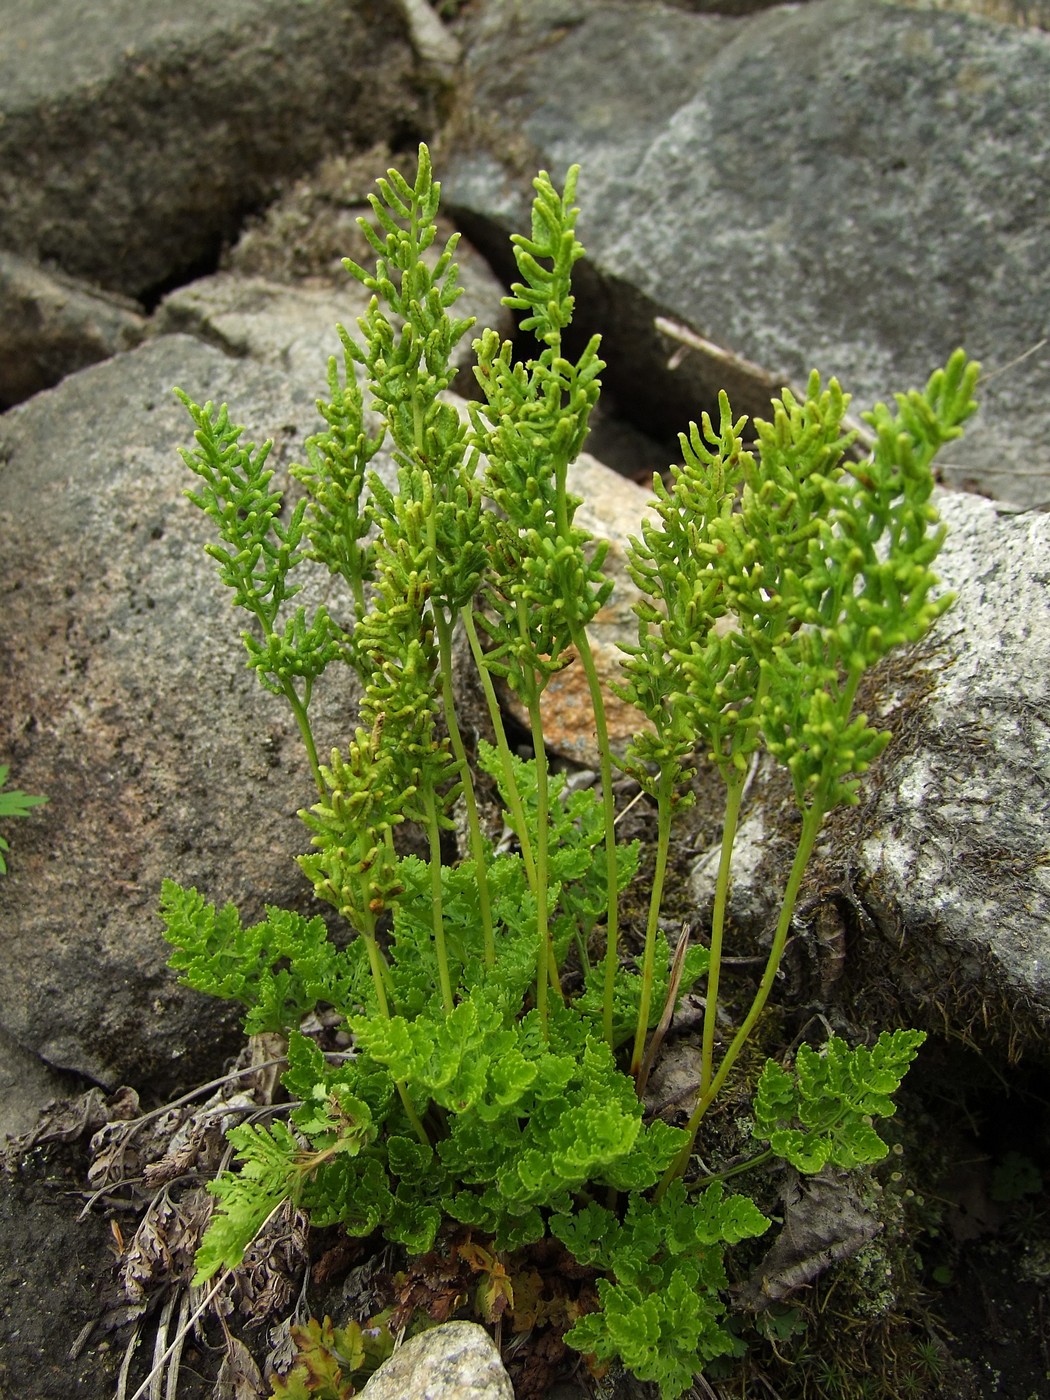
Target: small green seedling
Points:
(13, 804)
(500, 1025)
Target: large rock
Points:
(125, 699)
(133, 139)
(951, 861)
(939, 877)
(51, 326)
(850, 186)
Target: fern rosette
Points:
(488, 1082)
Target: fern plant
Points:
(482, 1090)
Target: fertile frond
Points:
(258, 552)
(690, 677)
(850, 553)
(545, 261)
(334, 474)
(545, 581)
(354, 863)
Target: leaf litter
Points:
(155, 1166)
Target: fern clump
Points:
(500, 1033)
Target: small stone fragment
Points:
(456, 1361)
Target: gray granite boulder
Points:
(134, 139)
(51, 326)
(950, 862)
(125, 699)
(938, 881)
(852, 186)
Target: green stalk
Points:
(262, 615)
(810, 828)
(410, 1112)
(436, 900)
(664, 793)
(517, 811)
(477, 841)
(299, 711)
(734, 793)
(601, 731)
(759, 1159)
(546, 963)
(375, 961)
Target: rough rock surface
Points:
(134, 139)
(853, 186)
(945, 858)
(952, 862)
(26, 1085)
(126, 702)
(1034, 14)
(456, 1361)
(51, 326)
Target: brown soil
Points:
(966, 1312)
